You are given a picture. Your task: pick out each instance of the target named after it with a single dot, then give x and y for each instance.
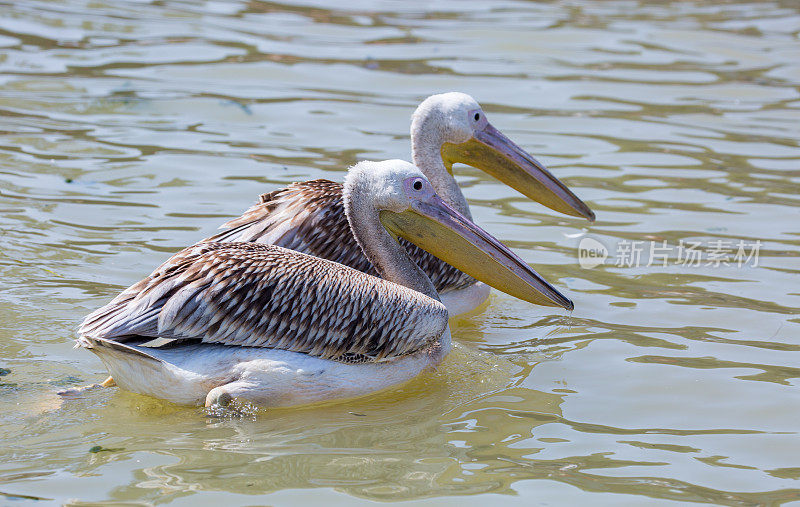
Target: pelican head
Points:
(407, 207)
(457, 126)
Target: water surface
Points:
(129, 130)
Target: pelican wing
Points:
(255, 295)
(309, 217)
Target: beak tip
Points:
(585, 212)
(566, 304)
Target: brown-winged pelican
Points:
(447, 128)
(277, 327)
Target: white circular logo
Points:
(591, 253)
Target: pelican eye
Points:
(417, 185)
(477, 116)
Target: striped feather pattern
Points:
(309, 217)
(256, 295)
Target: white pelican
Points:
(276, 327)
(445, 129)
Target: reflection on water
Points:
(130, 130)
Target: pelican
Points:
(264, 324)
(447, 128)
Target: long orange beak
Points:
(437, 228)
(497, 155)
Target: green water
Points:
(131, 129)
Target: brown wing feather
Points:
(309, 217)
(249, 294)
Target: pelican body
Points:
(277, 327)
(447, 128)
